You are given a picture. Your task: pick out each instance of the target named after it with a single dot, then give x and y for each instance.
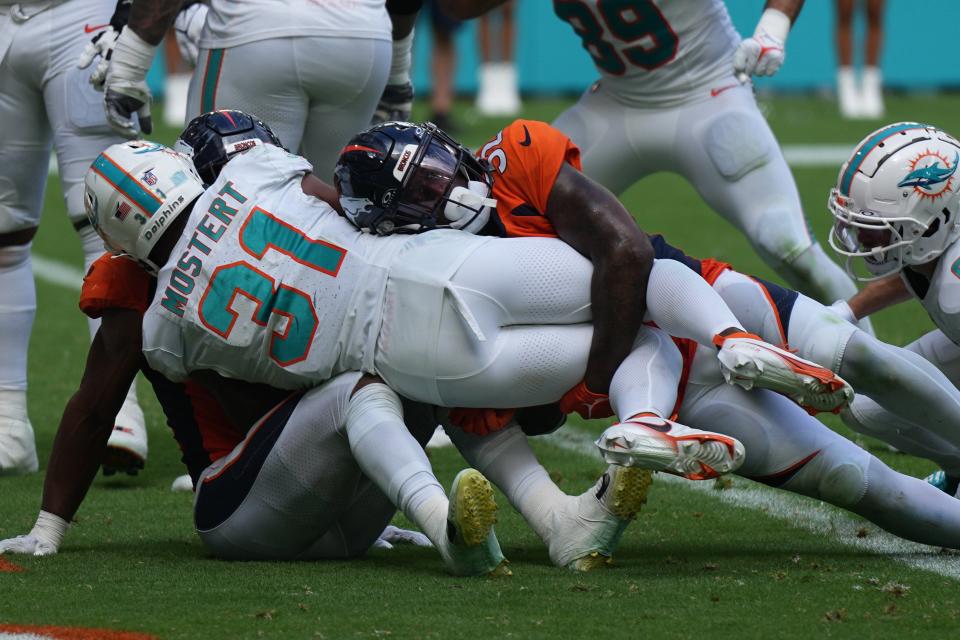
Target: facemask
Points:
(468, 208)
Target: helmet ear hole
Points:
(933, 228)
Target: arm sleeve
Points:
(114, 283)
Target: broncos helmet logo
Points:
(926, 177)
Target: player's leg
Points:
(788, 449)
(24, 155)
(80, 132)
(257, 77)
(343, 78)
(726, 150)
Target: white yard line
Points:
(56, 272)
(797, 511)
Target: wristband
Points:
(774, 23)
(402, 60)
(49, 529)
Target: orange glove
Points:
(480, 422)
(588, 404)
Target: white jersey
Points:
(268, 284)
(655, 53)
(941, 296)
(231, 23)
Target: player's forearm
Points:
(151, 19)
(879, 295)
(618, 302)
(790, 8)
(464, 9)
(403, 15)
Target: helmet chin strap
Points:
(464, 201)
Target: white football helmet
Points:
(897, 198)
(134, 190)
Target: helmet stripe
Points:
(127, 185)
(869, 145)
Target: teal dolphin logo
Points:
(926, 177)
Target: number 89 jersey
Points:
(654, 53)
(267, 284)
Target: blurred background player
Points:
(443, 64)
(497, 92)
(863, 99)
(314, 72)
(40, 43)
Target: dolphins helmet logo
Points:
(931, 174)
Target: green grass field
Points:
(694, 564)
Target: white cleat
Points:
(587, 528)
(748, 362)
(652, 442)
(18, 449)
(439, 440)
(127, 446)
(471, 547)
(182, 484)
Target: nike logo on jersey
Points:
(715, 92)
(88, 29)
(526, 141)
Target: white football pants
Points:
(315, 93)
(723, 146)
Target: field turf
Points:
(691, 566)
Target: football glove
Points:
(480, 422)
(395, 535)
(187, 27)
(395, 105)
(125, 89)
(103, 43)
(763, 54)
(586, 403)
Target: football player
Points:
(785, 447)
(895, 207)
(674, 96)
(47, 104)
(314, 72)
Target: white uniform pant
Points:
(45, 101)
(292, 489)
(315, 93)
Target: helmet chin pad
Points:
(468, 208)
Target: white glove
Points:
(763, 54)
(125, 89)
(101, 45)
(43, 540)
(842, 309)
(188, 25)
(395, 535)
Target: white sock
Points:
(394, 461)
(684, 305)
(647, 380)
(506, 459)
(18, 306)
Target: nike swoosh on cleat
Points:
(88, 29)
(526, 141)
(715, 92)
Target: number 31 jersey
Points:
(654, 53)
(268, 284)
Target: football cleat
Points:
(945, 482)
(748, 362)
(182, 483)
(587, 528)
(18, 451)
(471, 547)
(127, 446)
(652, 442)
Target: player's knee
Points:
(843, 477)
(778, 232)
(14, 257)
(733, 153)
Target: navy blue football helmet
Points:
(211, 139)
(401, 177)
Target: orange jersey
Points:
(199, 425)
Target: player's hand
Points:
(101, 46)
(125, 89)
(187, 27)
(761, 55)
(396, 103)
(27, 545)
(586, 403)
(395, 535)
(480, 422)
